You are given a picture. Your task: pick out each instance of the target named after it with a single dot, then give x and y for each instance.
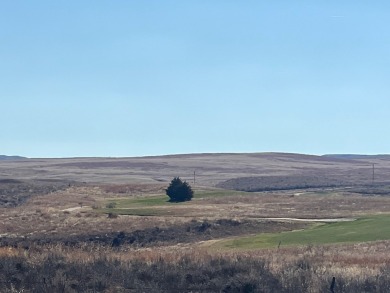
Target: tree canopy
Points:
(179, 191)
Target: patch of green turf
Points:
(362, 230)
(148, 205)
(141, 202)
(160, 200)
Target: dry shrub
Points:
(98, 269)
(112, 216)
(45, 216)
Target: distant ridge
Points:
(279, 155)
(357, 156)
(11, 158)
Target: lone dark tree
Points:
(179, 191)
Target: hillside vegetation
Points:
(267, 222)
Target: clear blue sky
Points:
(131, 78)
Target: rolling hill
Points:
(220, 169)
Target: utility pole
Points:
(194, 177)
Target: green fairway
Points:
(364, 229)
(146, 201)
(137, 206)
(163, 199)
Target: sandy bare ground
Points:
(71, 209)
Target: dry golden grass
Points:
(346, 260)
(72, 211)
(210, 168)
(274, 205)
(305, 205)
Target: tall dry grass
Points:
(357, 268)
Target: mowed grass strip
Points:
(151, 205)
(362, 230)
(146, 201)
(163, 200)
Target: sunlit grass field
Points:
(157, 205)
(363, 229)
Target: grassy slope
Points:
(150, 206)
(369, 228)
(364, 229)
